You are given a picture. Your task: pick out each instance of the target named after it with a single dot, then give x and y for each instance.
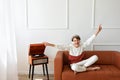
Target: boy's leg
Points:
(88, 62)
(91, 61)
(82, 65)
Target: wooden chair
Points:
(37, 57)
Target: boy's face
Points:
(76, 42)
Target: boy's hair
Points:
(76, 36)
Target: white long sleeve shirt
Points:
(76, 51)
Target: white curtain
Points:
(3, 49)
(8, 55)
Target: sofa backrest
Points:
(105, 57)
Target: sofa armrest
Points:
(58, 65)
(117, 59)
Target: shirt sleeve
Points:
(89, 41)
(63, 47)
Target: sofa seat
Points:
(109, 72)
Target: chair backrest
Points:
(105, 57)
(36, 49)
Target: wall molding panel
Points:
(106, 46)
(47, 14)
(100, 10)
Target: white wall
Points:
(80, 19)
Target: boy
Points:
(75, 53)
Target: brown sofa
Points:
(109, 61)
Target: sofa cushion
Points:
(109, 72)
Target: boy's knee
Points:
(74, 67)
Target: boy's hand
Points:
(48, 44)
(98, 30)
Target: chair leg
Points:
(29, 71)
(47, 71)
(32, 72)
(43, 69)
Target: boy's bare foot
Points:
(75, 72)
(93, 68)
(89, 69)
